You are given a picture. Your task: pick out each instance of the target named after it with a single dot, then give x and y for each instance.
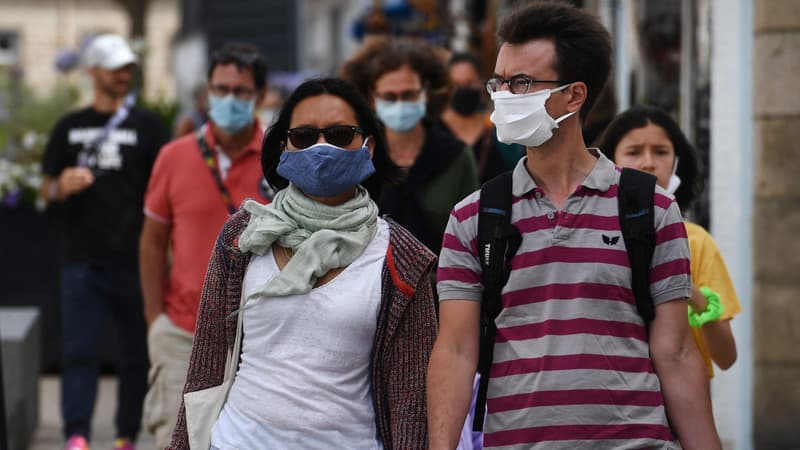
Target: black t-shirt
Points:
(101, 224)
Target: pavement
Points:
(49, 433)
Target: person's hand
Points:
(697, 300)
(73, 180)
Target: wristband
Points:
(712, 312)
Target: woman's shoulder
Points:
(233, 227)
(465, 157)
(695, 231)
(700, 240)
(410, 255)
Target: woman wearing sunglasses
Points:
(408, 83)
(317, 318)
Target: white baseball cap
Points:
(108, 51)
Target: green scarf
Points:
(323, 237)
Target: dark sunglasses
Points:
(338, 135)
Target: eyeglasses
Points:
(240, 92)
(518, 84)
(408, 95)
(338, 135)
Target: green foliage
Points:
(23, 134)
(167, 110)
(24, 129)
(19, 184)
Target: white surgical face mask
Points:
(522, 118)
(674, 180)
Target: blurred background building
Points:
(35, 35)
(726, 69)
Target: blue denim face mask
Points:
(325, 170)
(400, 116)
(229, 113)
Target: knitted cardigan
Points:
(406, 329)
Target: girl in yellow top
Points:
(648, 139)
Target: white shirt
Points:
(224, 162)
(303, 381)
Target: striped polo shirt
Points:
(571, 362)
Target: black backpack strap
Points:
(637, 221)
(498, 241)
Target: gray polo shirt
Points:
(571, 360)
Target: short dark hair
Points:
(389, 54)
(275, 139)
(245, 56)
(689, 165)
(582, 43)
(468, 58)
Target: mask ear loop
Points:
(560, 88)
(366, 145)
(567, 115)
(674, 179)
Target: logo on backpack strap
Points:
(637, 214)
(487, 252)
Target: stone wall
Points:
(776, 242)
(44, 27)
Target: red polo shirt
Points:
(183, 193)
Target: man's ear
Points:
(576, 96)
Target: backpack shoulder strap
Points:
(498, 241)
(637, 221)
(494, 220)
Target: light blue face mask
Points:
(229, 113)
(325, 170)
(400, 116)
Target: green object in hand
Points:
(712, 312)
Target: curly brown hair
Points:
(389, 54)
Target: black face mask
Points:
(466, 100)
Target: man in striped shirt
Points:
(573, 364)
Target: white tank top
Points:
(303, 381)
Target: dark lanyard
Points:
(205, 152)
(88, 156)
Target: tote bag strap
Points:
(203, 407)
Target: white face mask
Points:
(522, 118)
(674, 180)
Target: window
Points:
(9, 48)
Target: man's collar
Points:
(253, 146)
(600, 178)
(602, 175)
(521, 181)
